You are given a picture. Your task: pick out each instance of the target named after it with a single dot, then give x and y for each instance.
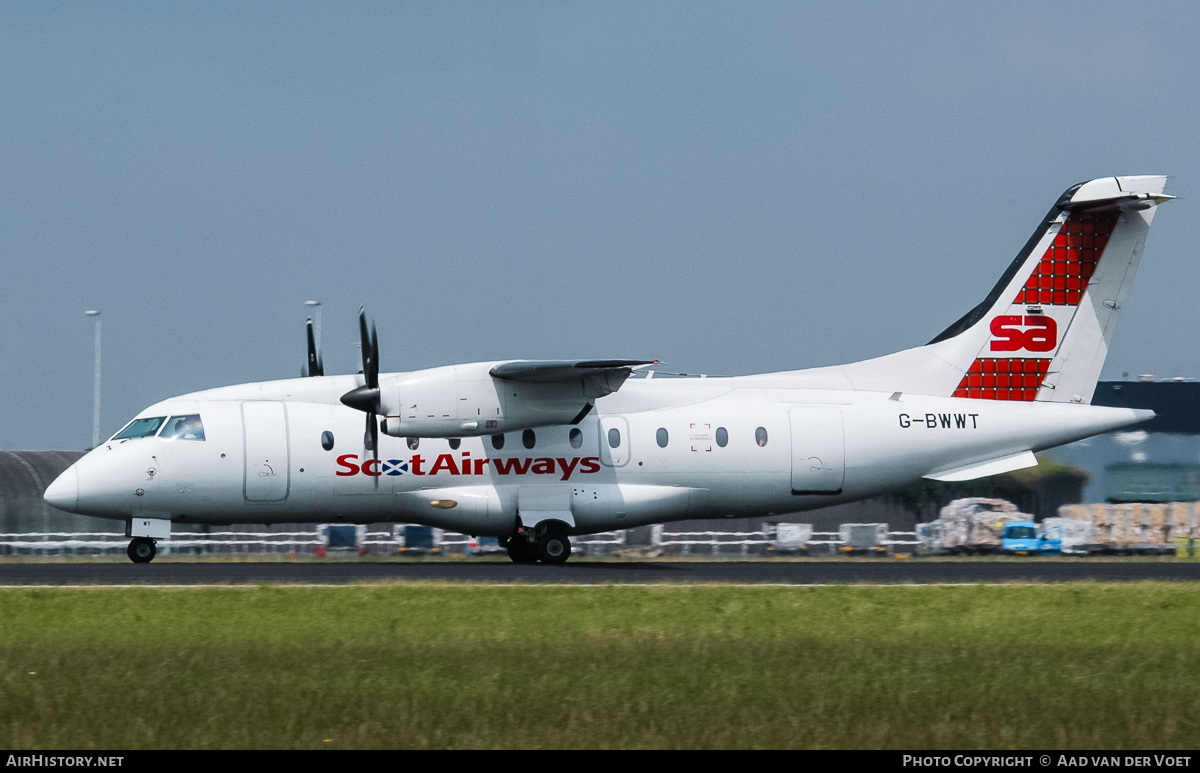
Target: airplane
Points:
(536, 452)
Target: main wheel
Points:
(521, 551)
(554, 548)
(141, 550)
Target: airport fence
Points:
(295, 543)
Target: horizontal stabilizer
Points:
(1008, 463)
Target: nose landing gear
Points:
(141, 550)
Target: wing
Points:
(565, 370)
(597, 378)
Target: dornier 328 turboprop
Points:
(535, 452)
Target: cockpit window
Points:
(140, 428)
(184, 428)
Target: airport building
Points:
(24, 476)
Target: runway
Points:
(66, 572)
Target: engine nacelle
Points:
(465, 400)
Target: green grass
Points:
(456, 665)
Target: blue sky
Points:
(728, 187)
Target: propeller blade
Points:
(366, 397)
(365, 339)
(373, 379)
(315, 368)
(371, 440)
(375, 445)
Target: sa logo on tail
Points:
(1040, 333)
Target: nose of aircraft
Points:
(63, 492)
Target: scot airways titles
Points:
(349, 464)
(446, 463)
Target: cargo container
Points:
(863, 538)
(976, 525)
(787, 537)
(1137, 527)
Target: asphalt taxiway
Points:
(66, 572)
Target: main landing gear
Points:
(141, 550)
(548, 545)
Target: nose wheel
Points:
(141, 550)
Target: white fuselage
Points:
(578, 446)
(262, 459)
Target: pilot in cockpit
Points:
(185, 428)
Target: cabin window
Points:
(722, 437)
(662, 437)
(614, 438)
(184, 428)
(528, 438)
(327, 440)
(455, 443)
(140, 428)
(498, 441)
(576, 437)
(413, 442)
(760, 436)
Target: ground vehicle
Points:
(416, 540)
(1051, 541)
(341, 539)
(1021, 538)
(1054, 537)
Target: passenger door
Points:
(818, 449)
(264, 425)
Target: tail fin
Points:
(1044, 329)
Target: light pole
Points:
(96, 383)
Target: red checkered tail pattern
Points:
(1045, 329)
